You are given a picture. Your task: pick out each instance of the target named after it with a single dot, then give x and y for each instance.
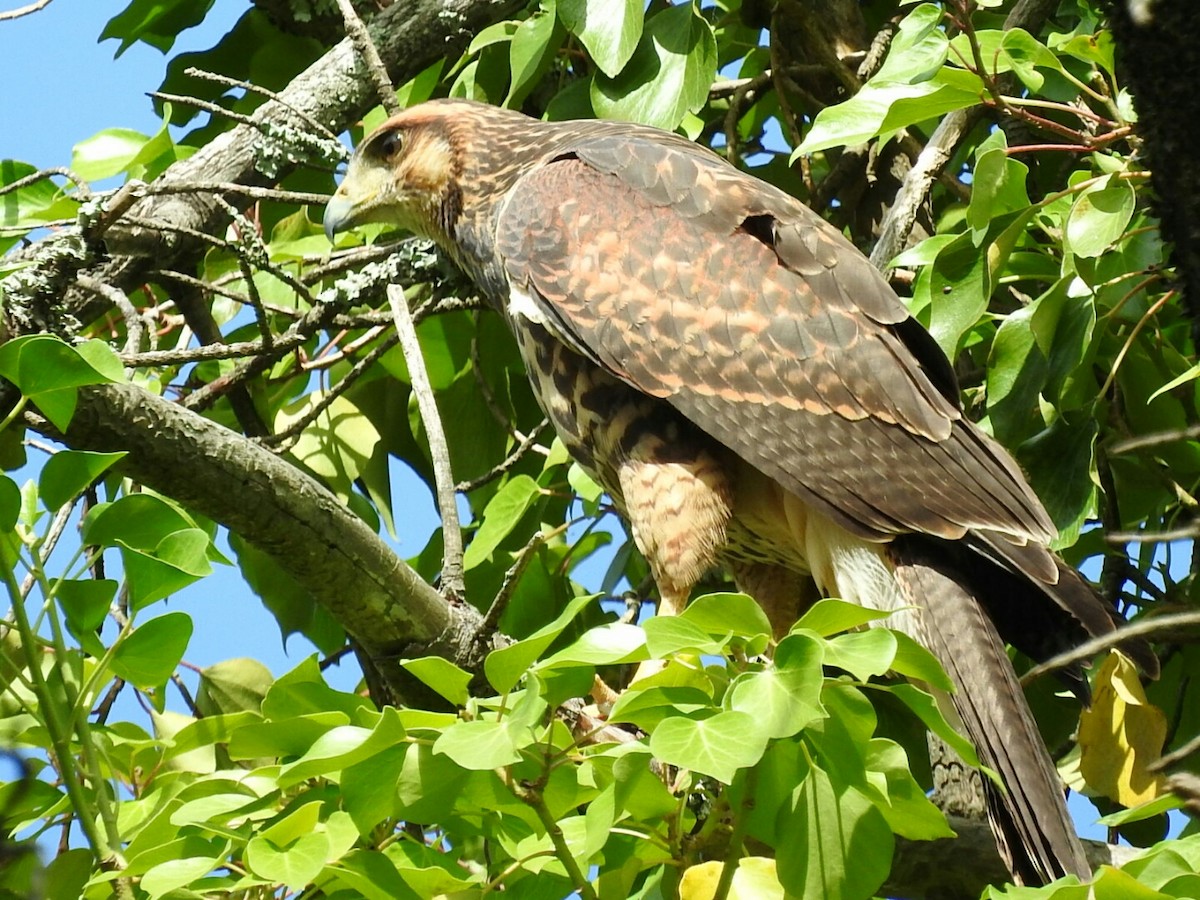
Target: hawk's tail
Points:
(1029, 816)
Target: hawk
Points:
(751, 393)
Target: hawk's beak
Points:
(339, 215)
(360, 198)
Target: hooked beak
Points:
(339, 215)
(360, 198)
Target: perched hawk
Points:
(751, 393)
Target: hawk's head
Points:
(422, 168)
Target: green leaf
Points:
(442, 675)
(918, 49)
(832, 616)
(10, 503)
(914, 661)
(85, 602)
(48, 371)
(479, 745)
(840, 843)
(908, 811)
(926, 709)
(502, 514)
(862, 653)
(726, 615)
(233, 685)
(151, 653)
(668, 75)
(505, 667)
(607, 645)
(290, 851)
(337, 444)
(997, 185)
(784, 698)
(343, 746)
(368, 787)
(372, 876)
(154, 22)
(666, 635)
(882, 108)
(718, 746)
(645, 707)
(429, 784)
(609, 29)
(531, 52)
(68, 472)
(177, 873)
(1099, 217)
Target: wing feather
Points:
(758, 321)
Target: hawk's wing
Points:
(758, 321)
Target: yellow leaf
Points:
(755, 879)
(1121, 735)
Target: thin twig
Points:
(356, 371)
(215, 108)
(365, 48)
(439, 450)
(204, 74)
(512, 578)
(42, 175)
(1148, 627)
(133, 322)
(465, 487)
(304, 198)
(24, 10)
(1154, 537)
(1157, 439)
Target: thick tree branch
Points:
(383, 603)
(335, 90)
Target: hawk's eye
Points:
(391, 145)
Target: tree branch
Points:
(335, 90)
(439, 450)
(348, 569)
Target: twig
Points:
(1154, 537)
(439, 451)
(24, 10)
(1137, 329)
(512, 577)
(365, 47)
(244, 190)
(356, 371)
(1169, 759)
(898, 222)
(133, 322)
(43, 174)
(205, 75)
(1151, 626)
(215, 108)
(465, 487)
(1157, 439)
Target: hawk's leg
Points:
(679, 501)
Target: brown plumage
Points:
(751, 392)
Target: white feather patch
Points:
(523, 305)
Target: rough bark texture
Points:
(954, 868)
(335, 90)
(385, 605)
(1159, 43)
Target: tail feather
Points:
(1029, 816)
